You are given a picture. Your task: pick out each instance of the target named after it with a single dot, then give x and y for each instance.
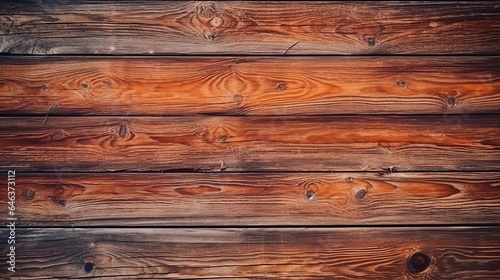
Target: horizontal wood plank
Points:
(374, 253)
(249, 86)
(284, 199)
(421, 143)
(278, 28)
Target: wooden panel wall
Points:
(250, 140)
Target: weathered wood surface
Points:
(249, 85)
(369, 253)
(324, 143)
(285, 199)
(278, 28)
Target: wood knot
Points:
(29, 194)
(208, 10)
(310, 195)
(88, 267)
(219, 134)
(45, 87)
(349, 179)
(216, 21)
(61, 202)
(418, 262)
(281, 86)
(223, 138)
(59, 191)
(451, 101)
(401, 84)
(360, 194)
(370, 41)
(122, 131)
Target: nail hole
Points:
(88, 267)
(349, 179)
(29, 194)
(85, 85)
(45, 87)
(419, 262)
(281, 86)
(401, 84)
(310, 194)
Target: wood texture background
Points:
(251, 140)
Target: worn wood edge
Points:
(248, 85)
(186, 253)
(256, 199)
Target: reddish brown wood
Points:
(285, 199)
(215, 144)
(249, 85)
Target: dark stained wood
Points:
(249, 85)
(286, 199)
(278, 28)
(420, 143)
(368, 253)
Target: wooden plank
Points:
(374, 253)
(270, 199)
(325, 143)
(278, 28)
(250, 86)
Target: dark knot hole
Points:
(419, 262)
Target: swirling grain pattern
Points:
(249, 86)
(255, 199)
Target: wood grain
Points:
(249, 85)
(325, 143)
(374, 253)
(283, 199)
(277, 28)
